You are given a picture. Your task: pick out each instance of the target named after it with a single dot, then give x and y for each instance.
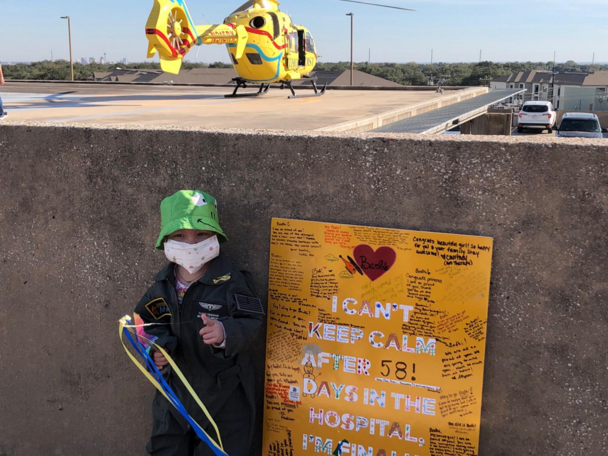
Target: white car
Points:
(580, 125)
(537, 114)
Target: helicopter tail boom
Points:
(224, 34)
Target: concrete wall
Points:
(493, 123)
(583, 98)
(79, 217)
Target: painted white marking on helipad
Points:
(142, 111)
(40, 108)
(115, 114)
(24, 97)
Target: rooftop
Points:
(201, 107)
(599, 78)
(526, 77)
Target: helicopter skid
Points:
(318, 93)
(263, 91)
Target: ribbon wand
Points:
(156, 378)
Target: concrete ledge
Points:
(371, 123)
(79, 218)
(439, 140)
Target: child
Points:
(205, 315)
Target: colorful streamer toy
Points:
(141, 343)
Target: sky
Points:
(515, 30)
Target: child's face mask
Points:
(192, 256)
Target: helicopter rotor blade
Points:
(377, 4)
(245, 6)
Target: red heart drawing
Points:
(374, 264)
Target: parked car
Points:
(537, 114)
(580, 125)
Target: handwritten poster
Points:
(376, 341)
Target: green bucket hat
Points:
(189, 209)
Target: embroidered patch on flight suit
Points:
(222, 279)
(249, 304)
(209, 306)
(158, 308)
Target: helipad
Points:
(205, 107)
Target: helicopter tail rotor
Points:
(170, 33)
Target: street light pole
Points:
(70, 36)
(352, 65)
(555, 101)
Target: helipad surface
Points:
(202, 107)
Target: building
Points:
(590, 95)
(568, 91)
(540, 85)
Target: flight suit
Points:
(223, 378)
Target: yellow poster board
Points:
(376, 341)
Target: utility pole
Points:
(480, 56)
(52, 59)
(593, 61)
(555, 101)
(70, 35)
(352, 65)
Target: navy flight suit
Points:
(222, 378)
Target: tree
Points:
(220, 65)
(570, 65)
(455, 74)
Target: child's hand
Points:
(159, 360)
(212, 333)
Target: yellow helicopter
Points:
(264, 45)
